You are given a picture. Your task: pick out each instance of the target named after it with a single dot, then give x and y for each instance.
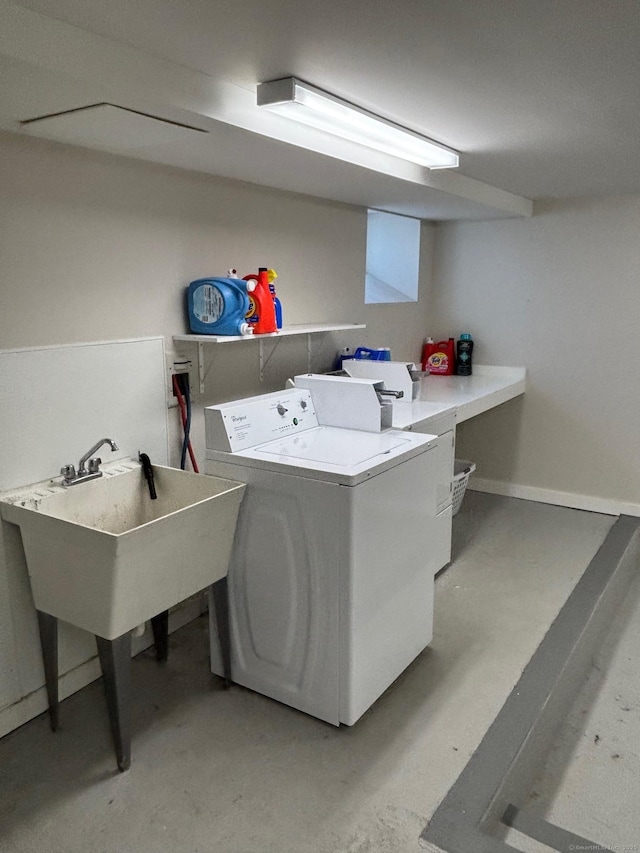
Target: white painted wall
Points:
(97, 247)
(559, 294)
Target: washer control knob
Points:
(281, 409)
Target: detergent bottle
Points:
(439, 358)
(272, 275)
(218, 306)
(261, 314)
(373, 353)
(465, 355)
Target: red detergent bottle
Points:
(261, 314)
(439, 358)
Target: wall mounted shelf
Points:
(263, 340)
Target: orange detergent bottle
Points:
(261, 314)
(439, 358)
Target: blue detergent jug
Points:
(218, 306)
(373, 354)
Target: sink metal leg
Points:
(115, 660)
(160, 627)
(48, 627)
(220, 596)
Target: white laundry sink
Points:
(105, 557)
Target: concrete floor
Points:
(591, 781)
(219, 771)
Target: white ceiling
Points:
(541, 98)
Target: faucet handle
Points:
(68, 472)
(94, 465)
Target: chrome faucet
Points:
(71, 477)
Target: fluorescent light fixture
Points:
(297, 100)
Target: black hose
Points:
(148, 473)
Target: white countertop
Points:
(467, 396)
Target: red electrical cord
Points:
(183, 414)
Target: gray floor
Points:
(234, 772)
(591, 781)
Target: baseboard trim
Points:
(591, 503)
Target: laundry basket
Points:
(462, 470)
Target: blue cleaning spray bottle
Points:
(218, 306)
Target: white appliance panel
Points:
(441, 545)
(241, 424)
(424, 416)
(386, 604)
(443, 457)
(396, 375)
(341, 401)
(444, 453)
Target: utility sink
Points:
(105, 557)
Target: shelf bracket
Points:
(310, 349)
(265, 355)
(265, 361)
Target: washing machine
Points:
(330, 584)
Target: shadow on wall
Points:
(492, 440)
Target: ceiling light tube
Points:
(304, 103)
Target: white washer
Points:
(330, 582)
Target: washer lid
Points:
(331, 453)
(340, 447)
